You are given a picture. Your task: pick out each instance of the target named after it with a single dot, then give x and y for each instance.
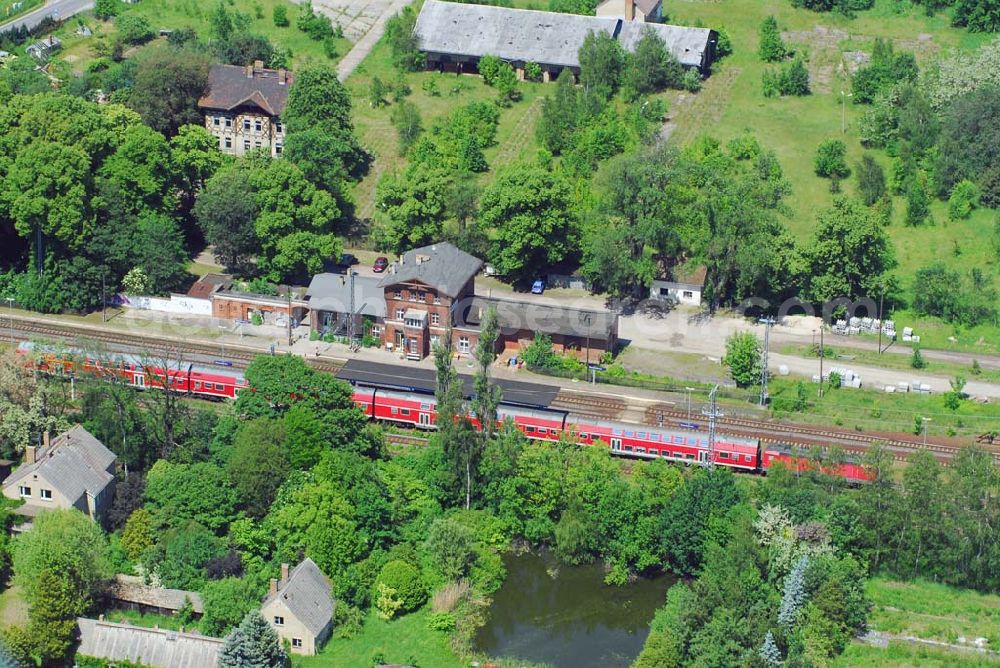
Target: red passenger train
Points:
(419, 410)
(183, 377)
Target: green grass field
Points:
(934, 611)
(167, 14)
(732, 101)
(905, 655)
(895, 361)
(406, 641)
(515, 133)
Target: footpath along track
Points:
(590, 406)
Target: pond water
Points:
(567, 617)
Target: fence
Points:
(180, 304)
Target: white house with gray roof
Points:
(74, 470)
(300, 607)
(456, 35)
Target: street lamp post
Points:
(689, 390)
(924, 421)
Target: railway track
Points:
(240, 356)
(406, 439)
(602, 408)
(598, 407)
(795, 434)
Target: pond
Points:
(566, 616)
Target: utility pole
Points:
(288, 293)
(768, 322)
(712, 413)
(689, 390)
(925, 420)
(822, 352)
(10, 306)
(350, 318)
(881, 325)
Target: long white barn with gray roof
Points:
(456, 35)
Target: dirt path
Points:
(367, 42)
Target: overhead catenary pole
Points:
(711, 413)
(822, 352)
(288, 292)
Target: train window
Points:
(654, 437)
(197, 384)
(529, 429)
(394, 411)
(219, 386)
(688, 456)
(679, 440)
(629, 434)
(405, 411)
(616, 432)
(724, 455)
(747, 458)
(543, 430)
(641, 435)
(627, 448)
(425, 407)
(584, 437)
(641, 450)
(692, 441)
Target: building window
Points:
(376, 330)
(297, 642)
(398, 293)
(435, 319)
(399, 313)
(463, 344)
(279, 620)
(423, 296)
(229, 122)
(688, 294)
(246, 144)
(229, 143)
(45, 494)
(215, 121)
(257, 144)
(413, 295)
(437, 299)
(277, 126)
(277, 149)
(256, 126)
(246, 123)
(24, 491)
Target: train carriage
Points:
(850, 470)
(410, 408)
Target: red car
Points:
(380, 265)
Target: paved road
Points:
(677, 332)
(61, 9)
(364, 45)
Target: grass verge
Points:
(406, 641)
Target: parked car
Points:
(381, 263)
(538, 287)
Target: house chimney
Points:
(274, 587)
(258, 65)
(629, 10)
(249, 71)
(281, 76)
(284, 573)
(50, 40)
(29, 455)
(45, 438)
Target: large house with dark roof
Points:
(456, 35)
(243, 106)
(300, 607)
(74, 470)
(432, 289)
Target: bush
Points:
(918, 203)
(794, 79)
(105, 9)
(691, 81)
(917, 360)
(532, 71)
(963, 200)
(280, 16)
(743, 358)
(830, 161)
(399, 582)
(489, 67)
(133, 28)
(771, 48)
(317, 26)
(441, 621)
